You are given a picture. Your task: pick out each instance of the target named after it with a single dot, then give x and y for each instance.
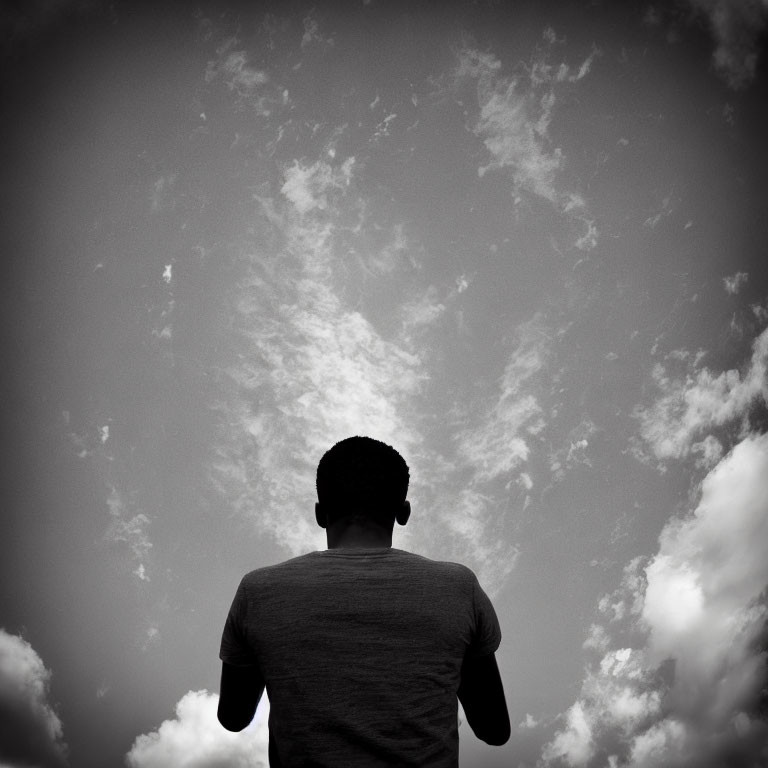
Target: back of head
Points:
(363, 477)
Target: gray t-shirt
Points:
(361, 651)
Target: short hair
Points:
(362, 475)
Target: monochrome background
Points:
(522, 242)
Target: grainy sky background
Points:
(523, 242)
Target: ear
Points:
(320, 516)
(403, 513)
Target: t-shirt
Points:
(361, 652)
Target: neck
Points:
(345, 534)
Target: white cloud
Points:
(760, 312)
(382, 129)
(737, 26)
(329, 376)
(529, 722)
(312, 32)
(161, 197)
(733, 283)
(588, 241)
(573, 452)
(710, 450)
(524, 480)
(127, 534)
(239, 75)
(689, 408)
(31, 731)
(573, 745)
(597, 638)
(250, 85)
(542, 71)
(689, 694)
(513, 120)
(422, 312)
(313, 369)
(308, 186)
(662, 744)
(196, 739)
(514, 127)
(497, 444)
(712, 567)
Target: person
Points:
(364, 649)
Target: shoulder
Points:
(446, 570)
(269, 573)
(447, 565)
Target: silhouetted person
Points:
(363, 648)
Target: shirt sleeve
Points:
(234, 645)
(487, 632)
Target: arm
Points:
(239, 694)
(481, 693)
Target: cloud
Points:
(734, 282)
(31, 732)
(312, 369)
(711, 568)
(489, 453)
(737, 27)
(690, 692)
(312, 32)
(422, 312)
(127, 536)
(529, 722)
(574, 743)
(692, 406)
(237, 73)
(196, 739)
(329, 376)
(250, 85)
(497, 444)
(307, 186)
(588, 240)
(513, 125)
(513, 120)
(573, 451)
(161, 197)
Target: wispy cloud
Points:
(250, 85)
(737, 27)
(514, 117)
(161, 196)
(127, 535)
(690, 407)
(513, 123)
(234, 68)
(497, 444)
(32, 733)
(196, 739)
(490, 454)
(312, 32)
(574, 450)
(313, 370)
(307, 186)
(688, 690)
(734, 283)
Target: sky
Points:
(522, 242)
